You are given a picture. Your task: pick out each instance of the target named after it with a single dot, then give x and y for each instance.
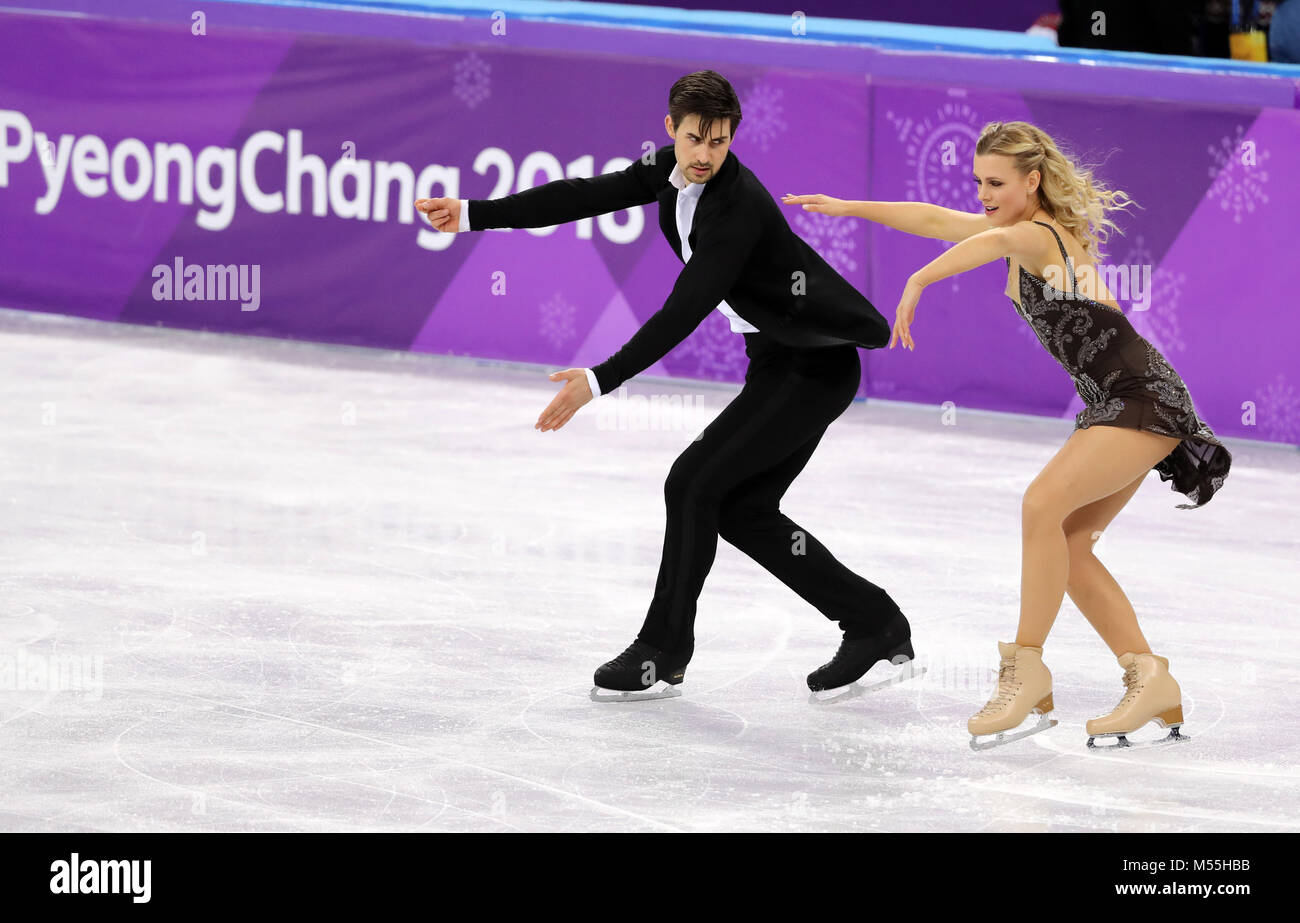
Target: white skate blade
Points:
(660, 690)
(1005, 737)
(843, 693)
(1121, 741)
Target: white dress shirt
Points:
(688, 196)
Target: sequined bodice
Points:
(1079, 332)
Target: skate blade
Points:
(1003, 737)
(842, 694)
(660, 690)
(1123, 743)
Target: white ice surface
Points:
(339, 589)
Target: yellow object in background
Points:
(1249, 46)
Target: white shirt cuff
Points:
(464, 214)
(591, 380)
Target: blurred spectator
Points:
(1213, 28)
(1284, 33)
(1047, 24)
(1190, 27)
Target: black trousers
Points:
(730, 481)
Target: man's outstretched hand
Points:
(443, 214)
(572, 396)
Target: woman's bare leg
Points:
(1091, 585)
(1093, 464)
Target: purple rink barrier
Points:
(279, 155)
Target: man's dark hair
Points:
(706, 94)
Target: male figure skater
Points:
(802, 323)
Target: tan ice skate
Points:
(1024, 686)
(1150, 694)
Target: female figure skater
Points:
(1045, 216)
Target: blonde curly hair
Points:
(1068, 193)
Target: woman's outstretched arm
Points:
(1018, 241)
(919, 218)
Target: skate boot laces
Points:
(841, 654)
(636, 653)
(1132, 684)
(1007, 687)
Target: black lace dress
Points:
(1123, 379)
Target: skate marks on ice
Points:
(756, 665)
(427, 755)
(1160, 815)
(562, 718)
(683, 761)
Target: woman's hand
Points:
(905, 314)
(822, 204)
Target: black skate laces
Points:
(628, 657)
(841, 653)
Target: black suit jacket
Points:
(742, 250)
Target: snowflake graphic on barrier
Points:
(1238, 186)
(902, 124)
(1159, 323)
(831, 237)
(718, 353)
(556, 320)
(763, 120)
(473, 80)
(1278, 412)
(938, 151)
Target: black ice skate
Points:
(838, 680)
(641, 672)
